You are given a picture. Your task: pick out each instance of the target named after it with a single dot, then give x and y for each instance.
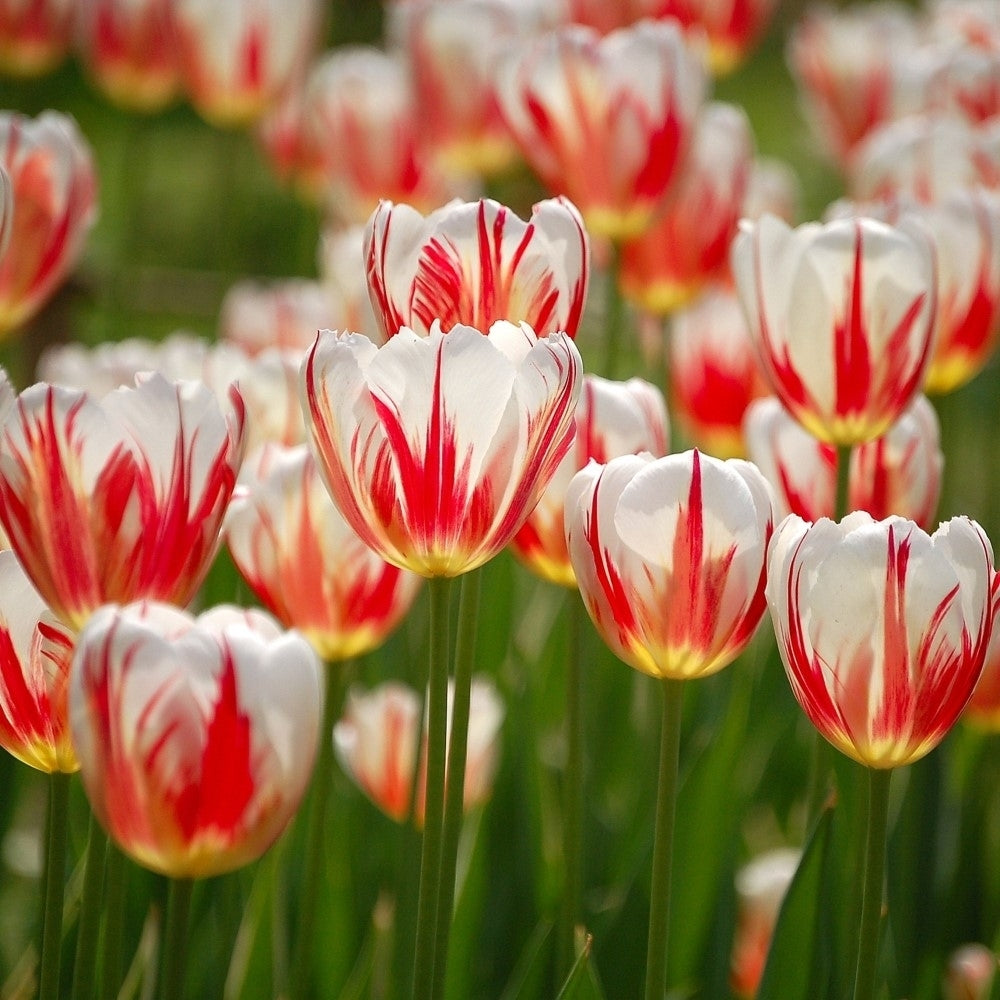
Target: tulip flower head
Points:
(120, 498)
(669, 555)
(970, 973)
(377, 742)
(35, 655)
(842, 317)
(882, 628)
(475, 263)
(35, 35)
(437, 448)
(196, 736)
(304, 562)
(54, 192)
(612, 419)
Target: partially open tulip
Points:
(842, 317)
(238, 57)
(669, 555)
(35, 35)
(688, 243)
(898, 473)
(437, 448)
(714, 373)
(377, 742)
(196, 736)
(612, 419)
(475, 263)
(35, 655)
(605, 121)
(129, 49)
(304, 562)
(882, 628)
(120, 498)
(54, 195)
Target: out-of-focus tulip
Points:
(773, 189)
(842, 317)
(35, 655)
(238, 57)
(284, 314)
(196, 736)
(342, 272)
(360, 113)
(983, 709)
(305, 563)
(713, 371)
(452, 48)
(612, 419)
(289, 146)
(377, 743)
(669, 556)
(882, 628)
(120, 498)
(128, 47)
(474, 263)
(437, 448)
(964, 82)
(761, 885)
(35, 35)
(970, 973)
(849, 66)
(605, 121)
(54, 195)
(898, 473)
(687, 245)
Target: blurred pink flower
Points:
(35, 35)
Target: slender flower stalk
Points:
(85, 966)
(54, 881)
(614, 314)
(175, 939)
(876, 825)
(116, 867)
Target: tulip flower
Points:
(842, 317)
(773, 189)
(120, 498)
(437, 448)
(237, 57)
(35, 35)
(196, 736)
(714, 374)
(305, 563)
(882, 628)
(612, 419)
(377, 742)
(605, 121)
(761, 885)
(475, 263)
(35, 655)
(54, 193)
(970, 973)
(898, 473)
(688, 243)
(341, 252)
(128, 48)
(669, 556)
(983, 709)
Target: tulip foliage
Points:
(327, 541)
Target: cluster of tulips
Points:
(425, 407)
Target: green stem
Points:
(572, 786)
(437, 736)
(454, 803)
(173, 960)
(842, 497)
(877, 821)
(54, 880)
(315, 840)
(663, 841)
(614, 315)
(112, 970)
(85, 967)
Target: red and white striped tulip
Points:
(898, 473)
(475, 263)
(196, 736)
(377, 742)
(437, 448)
(35, 655)
(842, 317)
(54, 195)
(605, 121)
(35, 35)
(669, 556)
(305, 563)
(612, 419)
(882, 628)
(117, 499)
